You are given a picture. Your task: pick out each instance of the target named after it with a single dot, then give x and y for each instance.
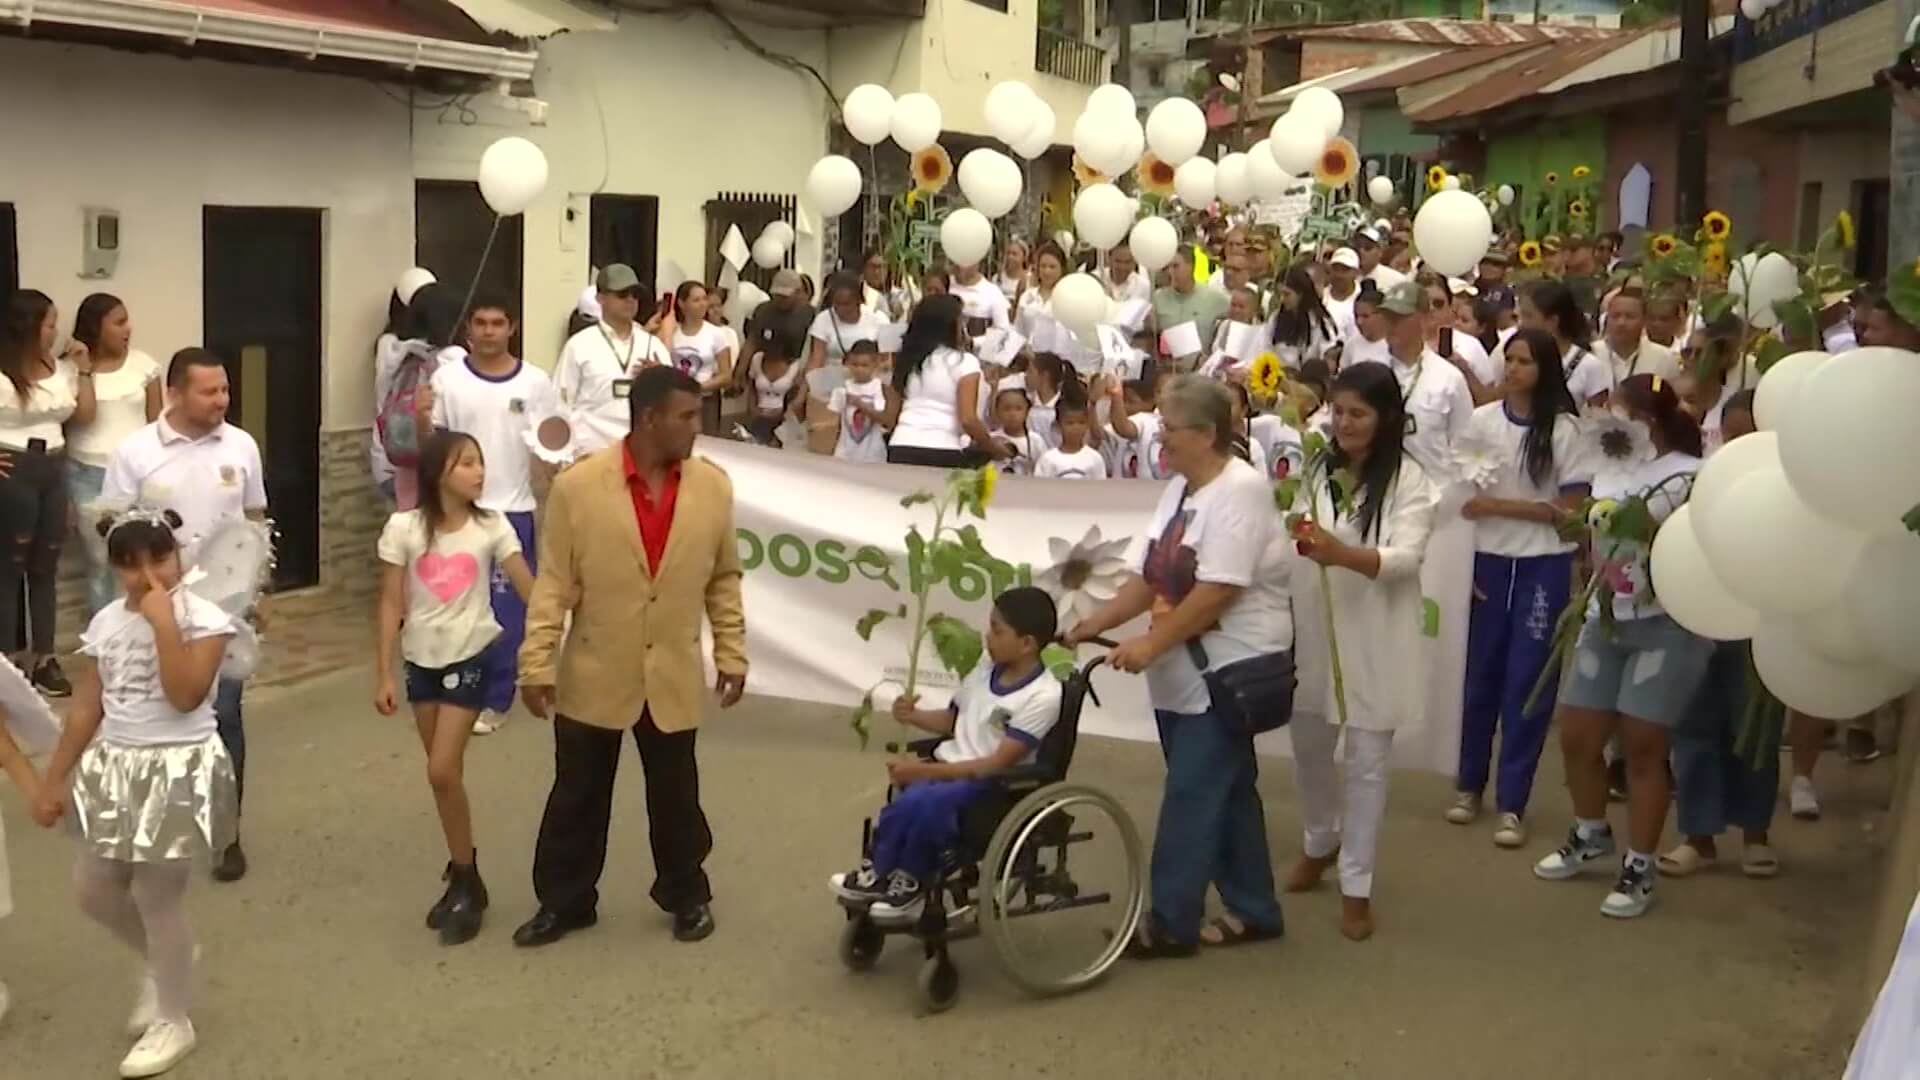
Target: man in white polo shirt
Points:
(193, 462)
(598, 364)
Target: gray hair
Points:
(1195, 401)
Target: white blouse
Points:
(48, 404)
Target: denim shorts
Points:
(1650, 669)
(463, 685)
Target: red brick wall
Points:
(1645, 134)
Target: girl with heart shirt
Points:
(438, 561)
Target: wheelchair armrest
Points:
(1021, 777)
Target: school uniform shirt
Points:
(596, 367)
(861, 438)
(930, 412)
(983, 300)
(1345, 326)
(496, 410)
(47, 405)
(1225, 533)
(839, 336)
(207, 480)
(134, 706)
(1587, 375)
(1279, 444)
(1712, 437)
(1497, 429)
(698, 353)
(1085, 463)
(1647, 358)
(120, 409)
(987, 709)
(1623, 563)
(447, 582)
(1011, 287)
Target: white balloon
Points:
(1505, 194)
(1774, 552)
(1193, 182)
(1112, 99)
(1749, 454)
(768, 252)
(1763, 280)
(1833, 632)
(1689, 589)
(1153, 242)
(513, 173)
(1848, 441)
(1039, 137)
(966, 236)
(1079, 302)
(1231, 180)
(412, 282)
(990, 180)
(1450, 183)
(1880, 597)
(780, 231)
(1176, 129)
(868, 113)
(916, 122)
(1812, 684)
(1133, 143)
(1009, 110)
(1380, 190)
(1752, 9)
(1295, 142)
(1102, 214)
(1269, 180)
(1451, 231)
(1323, 105)
(1099, 141)
(1781, 384)
(833, 185)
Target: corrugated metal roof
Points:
(1437, 65)
(1451, 32)
(1342, 80)
(1523, 78)
(533, 19)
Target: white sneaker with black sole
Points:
(1632, 892)
(161, 1048)
(1574, 855)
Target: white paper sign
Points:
(1130, 316)
(1182, 340)
(1243, 340)
(734, 249)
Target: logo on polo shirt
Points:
(229, 476)
(517, 406)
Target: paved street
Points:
(317, 964)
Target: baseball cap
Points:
(1403, 299)
(786, 283)
(1368, 233)
(616, 278)
(1495, 256)
(1346, 257)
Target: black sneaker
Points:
(903, 899)
(1632, 892)
(1862, 745)
(231, 865)
(50, 680)
(861, 885)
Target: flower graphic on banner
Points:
(1085, 574)
(1614, 441)
(1085, 174)
(1479, 461)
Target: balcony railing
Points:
(1057, 54)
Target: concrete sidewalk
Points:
(317, 965)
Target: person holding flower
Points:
(1633, 670)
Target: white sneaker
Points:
(146, 1008)
(1801, 799)
(1632, 893)
(1574, 855)
(488, 722)
(1512, 832)
(160, 1049)
(1465, 808)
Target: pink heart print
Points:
(447, 576)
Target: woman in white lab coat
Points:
(1372, 555)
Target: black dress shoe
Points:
(547, 927)
(693, 924)
(231, 865)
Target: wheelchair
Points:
(1012, 863)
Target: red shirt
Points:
(655, 518)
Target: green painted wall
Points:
(1522, 158)
(1384, 130)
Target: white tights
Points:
(1352, 824)
(143, 905)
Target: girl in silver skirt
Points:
(150, 782)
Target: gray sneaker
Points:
(1574, 855)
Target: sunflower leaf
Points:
(1285, 493)
(865, 624)
(1059, 660)
(958, 645)
(915, 499)
(858, 720)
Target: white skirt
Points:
(155, 803)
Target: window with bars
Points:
(752, 211)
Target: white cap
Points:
(589, 304)
(1461, 287)
(1383, 226)
(1346, 257)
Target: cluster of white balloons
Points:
(1761, 281)
(1793, 535)
(1108, 135)
(770, 248)
(513, 173)
(1017, 117)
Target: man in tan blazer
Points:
(636, 546)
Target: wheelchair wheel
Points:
(939, 983)
(1063, 888)
(860, 943)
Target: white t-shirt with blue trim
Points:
(987, 710)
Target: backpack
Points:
(397, 421)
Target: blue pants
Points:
(233, 733)
(920, 824)
(83, 490)
(1716, 789)
(502, 658)
(1212, 829)
(1509, 638)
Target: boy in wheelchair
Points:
(996, 721)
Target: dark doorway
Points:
(261, 285)
(626, 229)
(1873, 210)
(9, 250)
(450, 226)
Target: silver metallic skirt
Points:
(155, 803)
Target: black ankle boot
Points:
(464, 914)
(437, 914)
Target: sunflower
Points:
(1530, 253)
(1713, 259)
(932, 168)
(1155, 176)
(989, 476)
(1716, 225)
(1844, 226)
(1663, 245)
(1552, 178)
(1265, 377)
(1581, 172)
(1436, 175)
(1337, 163)
(1578, 209)
(1085, 174)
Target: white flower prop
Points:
(1084, 575)
(1479, 462)
(1613, 442)
(550, 437)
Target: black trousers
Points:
(940, 459)
(33, 525)
(572, 849)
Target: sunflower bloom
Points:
(1844, 226)
(1436, 176)
(1156, 176)
(1713, 259)
(1578, 209)
(1717, 225)
(1581, 172)
(1337, 163)
(989, 476)
(932, 168)
(1085, 174)
(1664, 245)
(1265, 377)
(1530, 253)
(1552, 178)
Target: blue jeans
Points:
(1716, 788)
(920, 824)
(227, 714)
(502, 658)
(1516, 604)
(1212, 829)
(84, 483)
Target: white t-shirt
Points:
(1010, 286)
(1482, 363)
(982, 300)
(120, 404)
(1279, 444)
(1085, 463)
(591, 380)
(1624, 563)
(449, 609)
(1358, 350)
(771, 394)
(206, 481)
(698, 354)
(929, 415)
(49, 402)
(134, 706)
(496, 411)
(1501, 433)
(1027, 449)
(1226, 533)
(840, 336)
(985, 712)
(1136, 287)
(861, 438)
(1043, 419)
(1712, 437)
(1341, 312)
(1587, 375)
(1144, 459)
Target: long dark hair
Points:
(1654, 398)
(433, 316)
(935, 324)
(1061, 373)
(1296, 327)
(93, 312)
(20, 336)
(436, 453)
(1375, 385)
(1550, 398)
(1556, 302)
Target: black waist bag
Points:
(1255, 694)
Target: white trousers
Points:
(1352, 823)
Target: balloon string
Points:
(474, 286)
